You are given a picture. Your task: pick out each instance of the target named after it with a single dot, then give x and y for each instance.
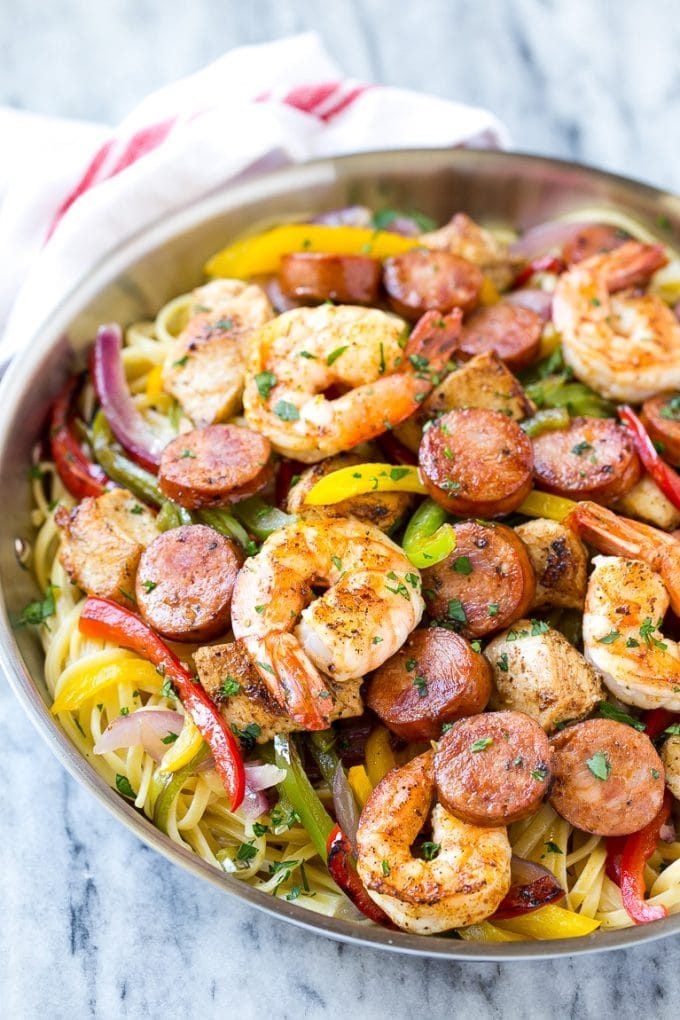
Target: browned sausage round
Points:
(214, 466)
(592, 459)
(493, 769)
(485, 584)
(476, 462)
(608, 779)
(593, 239)
(419, 281)
(661, 416)
(312, 276)
(185, 582)
(435, 678)
(512, 332)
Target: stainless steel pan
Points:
(165, 260)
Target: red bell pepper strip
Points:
(657, 720)
(79, 474)
(542, 264)
(343, 872)
(638, 848)
(665, 477)
(107, 621)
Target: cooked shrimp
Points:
(625, 346)
(463, 884)
(371, 604)
(627, 598)
(300, 355)
(205, 368)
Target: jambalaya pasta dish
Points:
(360, 570)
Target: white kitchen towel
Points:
(70, 192)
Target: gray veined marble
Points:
(93, 923)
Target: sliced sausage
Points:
(493, 769)
(313, 276)
(434, 678)
(419, 281)
(608, 779)
(185, 582)
(592, 459)
(214, 466)
(661, 416)
(485, 584)
(510, 331)
(593, 239)
(476, 463)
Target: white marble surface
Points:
(93, 923)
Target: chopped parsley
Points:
(286, 411)
(170, 739)
(502, 662)
(655, 773)
(419, 362)
(493, 609)
(599, 765)
(430, 850)
(149, 586)
(230, 687)
(247, 736)
(259, 829)
(412, 579)
(385, 867)
(456, 611)
(125, 710)
(647, 627)
(671, 409)
(462, 565)
(481, 744)
(40, 610)
(334, 355)
(382, 366)
(168, 690)
(123, 786)
(632, 643)
(308, 356)
(265, 666)
(410, 665)
(246, 852)
(188, 454)
(181, 362)
(337, 562)
(552, 848)
(420, 683)
(399, 472)
(539, 627)
(609, 711)
(581, 448)
(539, 774)
(137, 509)
(265, 382)
(224, 324)
(377, 640)
(610, 638)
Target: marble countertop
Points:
(94, 923)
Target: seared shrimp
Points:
(627, 598)
(205, 369)
(463, 884)
(625, 346)
(371, 604)
(305, 352)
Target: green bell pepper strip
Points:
(227, 525)
(551, 419)
(259, 518)
(170, 784)
(576, 397)
(428, 539)
(117, 466)
(322, 745)
(302, 795)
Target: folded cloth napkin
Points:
(70, 192)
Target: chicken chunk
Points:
(560, 561)
(205, 369)
(538, 672)
(483, 381)
(646, 502)
(670, 756)
(252, 703)
(102, 540)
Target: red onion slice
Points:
(349, 216)
(126, 422)
(146, 726)
(533, 886)
(258, 779)
(539, 301)
(346, 810)
(545, 237)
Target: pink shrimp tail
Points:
(627, 266)
(307, 698)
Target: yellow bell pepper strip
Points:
(262, 253)
(185, 748)
(86, 679)
(379, 755)
(428, 539)
(544, 504)
(362, 787)
(486, 932)
(358, 479)
(154, 382)
(550, 922)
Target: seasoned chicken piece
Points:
(483, 381)
(205, 369)
(670, 756)
(539, 673)
(646, 502)
(463, 237)
(102, 540)
(560, 563)
(216, 665)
